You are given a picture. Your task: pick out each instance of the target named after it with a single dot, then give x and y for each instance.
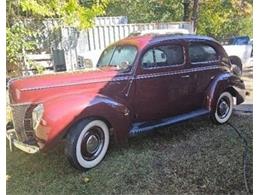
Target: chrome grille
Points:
(22, 119)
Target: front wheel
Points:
(87, 144)
(223, 109)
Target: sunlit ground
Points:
(195, 156)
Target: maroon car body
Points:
(130, 101)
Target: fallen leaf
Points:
(8, 177)
(86, 179)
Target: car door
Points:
(205, 61)
(162, 87)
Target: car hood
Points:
(37, 88)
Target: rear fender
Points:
(224, 82)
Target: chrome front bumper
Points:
(11, 136)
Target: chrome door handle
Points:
(185, 76)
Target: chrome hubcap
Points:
(92, 144)
(223, 108)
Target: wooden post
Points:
(69, 43)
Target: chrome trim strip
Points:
(122, 78)
(153, 75)
(206, 62)
(21, 104)
(79, 83)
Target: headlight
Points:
(37, 115)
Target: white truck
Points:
(240, 51)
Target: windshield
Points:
(119, 57)
(239, 40)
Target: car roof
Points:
(188, 37)
(147, 39)
(160, 32)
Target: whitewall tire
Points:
(223, 109)
(87, 143)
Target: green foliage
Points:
(147, 11)
(36, 67)
(38, 8)
(225, 18)
(70, 12)
(17, 42)
(25, 16)
(74, 14)
(217, 18)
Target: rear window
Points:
(202, 53)
(239, 40)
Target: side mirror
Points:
(124, 64)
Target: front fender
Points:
(224, 82)
(62, 112)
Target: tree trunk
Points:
(186, 14)
(195, 10)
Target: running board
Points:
(143, 127)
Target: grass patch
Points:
(192, 157)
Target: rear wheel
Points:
(223, 109)
(87, 143)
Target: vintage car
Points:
(141, 83)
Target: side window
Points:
(170, 55)
(148, 59)
(160, 56)
(202, 53)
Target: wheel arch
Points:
(113, 113)
(236, 61)
(94, 117)
(232, 91)
(224, 82)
